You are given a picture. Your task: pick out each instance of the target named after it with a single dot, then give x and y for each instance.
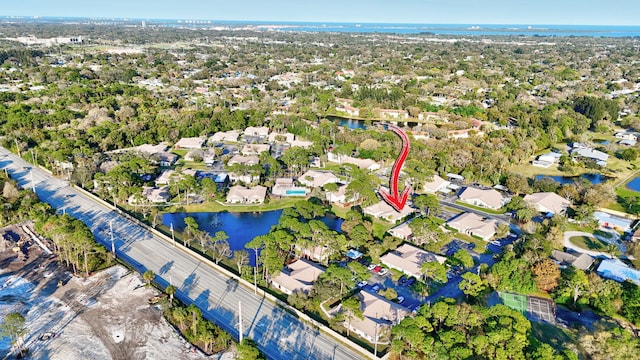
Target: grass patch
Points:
(588, 242)
(379, 228)
(555, 336)
(481, 245)
(488, 211)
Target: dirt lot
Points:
(106, 316)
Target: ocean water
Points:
(396, 28)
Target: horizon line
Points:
(298, 21)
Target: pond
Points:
(241, 227)
(363, 124)
(592, 178)
(634, 184)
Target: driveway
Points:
(569, 245)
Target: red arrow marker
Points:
(397, 201)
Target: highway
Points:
(278, 333)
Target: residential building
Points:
(315, 178)
(437, 184)
(395, 114)
(379, 315)
(285, 187)
(165, 159)
(384, 211)
(614, 269)
(550, 157)
(339, 196)
(487, 198)
(474, 225)
(194, 154)
(242, 195)
(590, 154)
(262, 131)
(626, 136)
(365, 164)
(613, 221)
(151, 194)
(166, 177)
(297, 276)
(191, 143)
(402, 231)
(582, 261)
(254, 149)
(151, 149)
(408, 259)
(243, 160)
(548, 202)
(278, 137)
(628, 142)
(224, 136)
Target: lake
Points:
(634, 184)
(363, 124)
(592, 178)
(241, 227)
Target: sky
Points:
(521, 12)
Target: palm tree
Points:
(612, 250)
(148, 276)
(170, 290)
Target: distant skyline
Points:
(522, 12)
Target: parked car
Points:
(371, 267)
(411, 281)
(362, 284)
(384, 271)
(377, 269)
(376, 287)
(400, 299)
(402, 280)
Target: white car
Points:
(375, 287)
(371, 267)
(383, 272)
(362, 284)
(400, 299)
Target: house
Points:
(408, 259)
(297, 276)
(384, 211)
(277, 137)
(350, 110)
(365, 164)
(612, 221)
(165, 159)
(626, 136)
(379, 315)
(262, 131)
(224, 136)
(151, 194)
(190, 143)
(628, 142)
(243, 160)
(151, 149)
(590, 154)
(402, 231)
(242, 195)
(317, 253)
(438, 184)
(339, 196)
(254, 149)
(487, 198)
(165, 177)
(614, 269)
(548, 202)
(582, 262)
(284, 187)
(474, 225)
(315, 178)
(550, 157)
(396, 114)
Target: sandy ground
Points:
(106, 316)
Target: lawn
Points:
(481, 245)
(588, 242)
(553, 335)
(488, 211)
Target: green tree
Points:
(241, 258)
(248, 350)
(464, 258)
(472, 284)
(171, 291)
(434, 271)
(351, 310)
(191, 227)
(148, 277)
(13, 326)
(427, 204)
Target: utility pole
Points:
(240, 330)
(172, 235)
(113, 246)
(255, 273)
(375, 340)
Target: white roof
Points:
(254, 149)
(402, 231)
(408, 259)
(548, 202)
(385, 211)
(190, 143)
(615, 269)
(473, 224)
(245, 160)
(220, 136)
(298, 275)
(436, 184)
(315, 178)
(242, 194)
(152, 149)
(491, 197)
(256, 131)
(377, 310)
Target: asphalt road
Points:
(279, 334)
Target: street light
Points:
(172, 235)
(33, 183)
